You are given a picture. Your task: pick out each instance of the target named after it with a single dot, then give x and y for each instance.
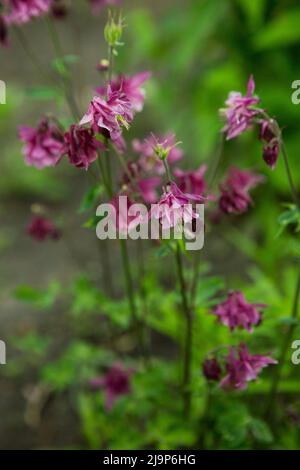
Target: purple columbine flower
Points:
(191, 181)
(235, 198)
(236, 312)
(22, 11)
(81, 146)
(131, 87)
(41, 228)
(240, 111)
(115, 383)
(44, 145)
(175, 207)
(211, 369)
(243, 367)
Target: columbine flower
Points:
(240, 111)
(22, 11)
(191, 181)
(211, 369)
(236, 312)
(242, 367)
(116, 382)
(270, 135)
(44, 145)
(175, 207)
(149, 159)
(41, 228)
(109, 116)
(235, 196)
(124, 221)
(81, 146)
(131, 87)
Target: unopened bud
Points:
(103, 65)
(113, 31)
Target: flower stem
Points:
(187, 361)
(284, 348)
(168, 173)
(128, 279)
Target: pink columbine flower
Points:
(22, 11)
(116, 382)
(269, 134)
(131, 87)
(235, 198)
(149, 161)
(240, 111)
(124, 220)
(243, 367)
(236, 312)
(81, 146)
(41, 228)
(148, 188)
(97, 5)
(44, 145)
(211, 369)
(175, 207)
(191, 181)
(108, 116)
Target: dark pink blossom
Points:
(124, 220)
(236, 312)
(235, 196)
(115, 383)
(131, 87)
(148, 188)
(41, 228)
(211, 369)
(81, 146)
(44, 145)
(149, 160)
(108, 116)
(243, 367)
(175, 207)
(22, 11)
(191, 181)
(240, 111)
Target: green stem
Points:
(284, 349)
(187, 360)
(289, 174)
(168, 173)
(128, 279)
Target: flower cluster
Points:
(22, 11)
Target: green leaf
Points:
(40, 298)
(43, 93)
(260, 430)
(282, 31)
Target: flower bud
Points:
(113, 31)
(103, 65)
(211, 369)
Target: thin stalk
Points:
(187, 359)
(168, 173)
(289, 174)
(128, 279)
(67, 85)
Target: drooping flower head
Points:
(41, 228)
(236, 312)
(211, 369)
(81, 146)
(131, 87)
(22, 11)
(115, 383)
(44, 145)
(191, 181)
(149, 159)
(175, 207)
(235, 197)
(240, 111)
(243, 367)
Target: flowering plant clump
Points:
(115, 345)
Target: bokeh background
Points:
(197, 52)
